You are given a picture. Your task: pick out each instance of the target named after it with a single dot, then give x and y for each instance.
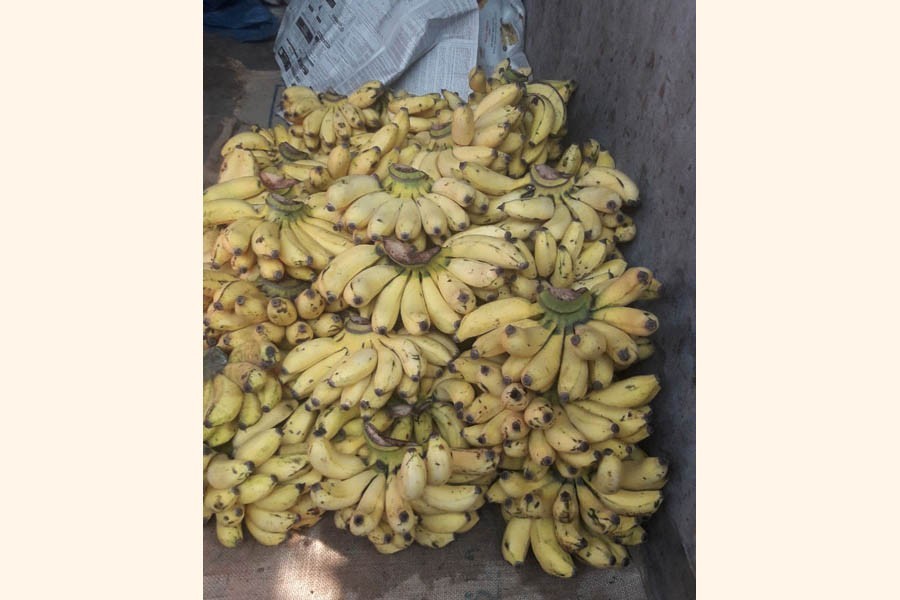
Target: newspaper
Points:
(421, 46)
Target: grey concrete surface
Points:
(634, 64)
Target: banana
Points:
(482, 409)
(488, 181)
(225, 473)
(588, 343)
(593, 427)
(245, 140)
(633, 321)
(384, 219)
(597, 552)
(632, 503)
(456, 217)
(559, 222)
(563, 436)
(366, 94)
(450, 522)
(440, 313)
(607, 478)
(343, 267)
(226, 210)
(307, 354)
(256, 487)
(507, 94)
(452, 498)
(632, 392)
(409, 355)
(353, 368)
(544, 253)
(345, 190)
(434, 220)
(260, 447)
(270, 521)
(358, 215)
(225, 402)
(398, 513)
(413, 309)
(462, 126)
(574, 377)
(239, 188)
(449, 425)
(412, 474)
(550, 555)
(516, 540)
(282, 498)
(237, 235)
(474, 273)
(455, 293)
(365, 161)
(539, 208)
(645, 474)
(482, 155)
(613, 179)
(601, 372)
(595, 516)
(438, 460)
(332, 418)
(570, 536)
(267, 420)
(543, 119)
(369, 510)
(541, 371)
(386, 307)
(565, 505)
(284, 467)
(332, 464)
(337, 494)
(217, 500)
(409, 222)
(539, 450)
(298, 332)
(495, 314)
(229, 535)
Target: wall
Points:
(634, 63)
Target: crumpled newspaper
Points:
(420, 46)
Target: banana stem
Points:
(406, 254)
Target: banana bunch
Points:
(546, 198)
(325, 120)
(570, 339)
(425, 112)
(294, 312)
(235, 305)
(360, 369)
(285, 237)
(246, 152)
(593, 516)
(391, 282)
(406, 484)
(533, 137)
(407, 204)
(490, 132)
(263, 480)
(240, 390)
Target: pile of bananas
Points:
(416, 305)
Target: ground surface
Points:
(634, 64)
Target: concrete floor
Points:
(635, 69)
(226, 63)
